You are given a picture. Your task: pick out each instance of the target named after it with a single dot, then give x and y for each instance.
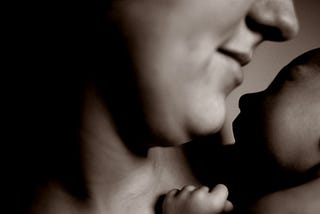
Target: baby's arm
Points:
(303, 199)
(192, 200)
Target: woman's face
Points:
(187, 56)
(284, 119)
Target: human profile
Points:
(274, 166)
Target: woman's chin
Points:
(207, 126)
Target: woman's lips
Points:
(243, 58)
(235, 60)
(235, 72)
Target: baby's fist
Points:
(192, 200)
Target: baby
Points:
(274, 166)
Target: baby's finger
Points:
(220, 189)
(186, 190)
(219, 195)
(203, 189)
(172, 193)
(169, 197)
(228, 206)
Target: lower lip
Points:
(235, 71)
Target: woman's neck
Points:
(106, 158)
(115, 178)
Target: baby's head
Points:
(284, 119)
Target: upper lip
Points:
(243, 58)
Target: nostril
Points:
(285, 28)
(288, 26)
(268, 32)
(275, 20)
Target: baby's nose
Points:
(250, 101)
(276, 20)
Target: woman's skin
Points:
(190, 56)
(181, 59)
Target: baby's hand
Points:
(192, 200)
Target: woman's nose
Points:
(276, 20)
